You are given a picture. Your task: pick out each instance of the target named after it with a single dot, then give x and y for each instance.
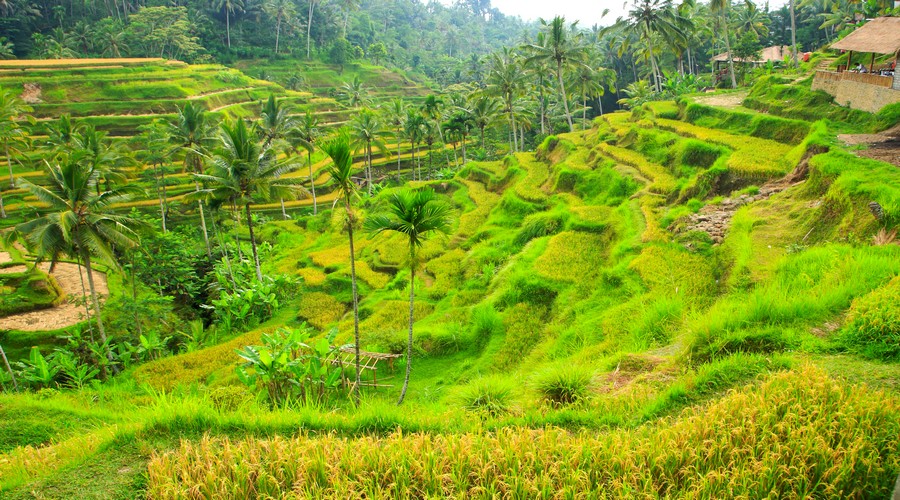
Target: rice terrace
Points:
(405, 249)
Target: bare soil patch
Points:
(70, 312)
(730, 100)
(884, 146)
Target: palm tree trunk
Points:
(562, 92)
(162, 200)
(584, 111)
(9, 369)
(409, 341)
(228, 27)
(96, 303)
(464, 149)
(221, 242)
(541, 87)
(355, 302)
(794, 36)
(514, 143)
(312, 4)
(277, 33)
(728, 50)
(12, 180)
(398, 155)
(203, 222)
(283, 212)
(369, 163)
(253, 242)
(2, 209)
(482, 138)
(312, 183)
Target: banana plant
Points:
(77, 373)
(37, 370)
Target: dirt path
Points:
(884, 146)
(66, 314)
(729, 100)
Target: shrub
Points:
(873, 323)
(489, 396)
(564, 385)
(486, 322)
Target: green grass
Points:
(26, 291)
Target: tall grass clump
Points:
(488, 396)
(798, 435)
(564, 385)
(486, 322)
(873, 323)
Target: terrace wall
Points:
(859, 91)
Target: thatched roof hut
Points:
(775, 53)
(878, 36)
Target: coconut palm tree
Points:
(279, 10)
(416, 215)
(721, 7)
(191, 133)
(355, 93)
(309, 19)
(13, 133)
(395, 114)
(340, 152)
(563, 51)
(485, 111)
(367, 132)
(505, 80)
(61, 133)
(276, 122)
(305, 134)
(414, 130)
(229, 6)
(244, 170)
(540, 70)
(79, 221)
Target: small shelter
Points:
(775, 53)
(878, 36)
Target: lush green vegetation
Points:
(327, 279)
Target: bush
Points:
(488, 396)
(486, 322)
(564, 385)
(873, 323)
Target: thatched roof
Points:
(774, 53)
(880, 35)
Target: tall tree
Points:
(276, 122)
(564, 51)
(78, 221)
(415, 215)
(191, 133)
(244, 170)
(485, 111)
(306, 134)
(720, 7)
(229, 6)
(279, 10)
(646, 20)
(309, 21)
(395, 114)
(505, 80)
(340, 152)
(367, 132)
(13, 133)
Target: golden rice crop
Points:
(485, 201)
(799, 434)
(663, 182)
(529, 188)
(674, 271)
(311, 276)
(320, 309)
(572, 256)
(331, 257)
(652, 231)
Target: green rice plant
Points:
(873, 323)
(492, 396)
(661, 181)
(486, 323)
(573, 256)
(539, 225)
(564, 385)
(672, 271)
(320, 309)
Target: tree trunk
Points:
(794, 36)
(96, 303)
(228, 27)
(160, 189)
(355, 302)
(728, 48)
(464, 149)
(277, 33)
(562, 92)
(283, 212)
(312, 183)
(12, 180)
(543, 113)
(9, 369)
(409, 341)
(2, 209)
(584, 112)
(312, 4)
(514, 143)
(253, 242)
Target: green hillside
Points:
(667, 304)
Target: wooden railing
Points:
(869, 79)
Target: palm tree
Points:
(306, 133)
(416, 215)
(154, 136)
(396, 117)
(367, 131)
(341, 171)
(541, 70)
(61, 133)
(78, 220)
(228, 6)
(348, 6)
(276, 123)
(646, 19)
(563, 52)
(244, 170)
(505, 80)
(720, 7)
(355, 93)
(414, 130)
(279, 10)
(312, 6)
(191, 133)
(12, 132)
(485, 111)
